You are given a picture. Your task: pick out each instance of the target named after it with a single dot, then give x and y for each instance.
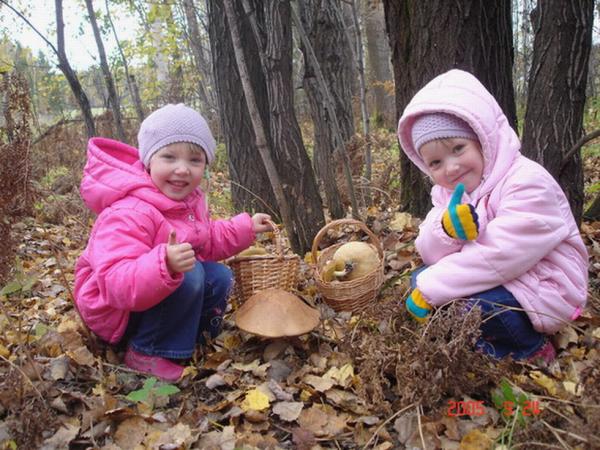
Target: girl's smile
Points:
(177, 169)
(454, 160)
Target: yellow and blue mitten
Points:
(417, 306)
(460, 221)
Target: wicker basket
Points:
(258, 272)
(353, 295)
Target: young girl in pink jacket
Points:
(500, 232)
(147, 277)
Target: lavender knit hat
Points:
(429, 127)
(174, 123)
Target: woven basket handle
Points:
(277, 239)
(339, 222)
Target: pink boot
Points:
(153, 365)
(547, 354)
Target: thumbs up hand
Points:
(180, 257)
(460, 221)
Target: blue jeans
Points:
(503, 331)
(173, 327)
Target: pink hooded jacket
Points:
(123, 267)
(528, 242)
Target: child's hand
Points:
(260, 223)
(180, 257)
(417, 306)
(460, 221)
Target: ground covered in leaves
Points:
(370, 380)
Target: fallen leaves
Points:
(337, 387)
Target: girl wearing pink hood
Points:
(500, 232)
(148, 277)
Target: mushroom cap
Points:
(276, 313)
(362, 256)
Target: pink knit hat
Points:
(174, 123)
(429, 127)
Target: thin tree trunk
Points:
(326, 35)
(556, 100)
(198, 54)
(330, 106)
(378, 62)
(261, 138)
(250, 185)
(70, 75)
(363, 97)
(135, 98)
(113, 98)
(289, 154)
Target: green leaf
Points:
(12, 287)
(149, 383)
(40, 329)
(29, 283)
(166, 390)
(497, 399)
(140, 395)
(507, 391)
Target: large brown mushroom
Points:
(276, 313)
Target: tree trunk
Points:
(113, 98)
(556, 100)
(70, 75)
(360, 66)
(257, 122)
(326, 35)
(131, 86)
(290, 155)
(202, 66)
(250, 186)
(378, 62)
(476, 37)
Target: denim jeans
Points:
(503, 331)
(173, 327)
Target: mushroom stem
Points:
(348, 267)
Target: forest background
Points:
(303, 98)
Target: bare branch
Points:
(26, 20)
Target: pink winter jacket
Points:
(528, 242)
(123, 267)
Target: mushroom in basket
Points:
(351, 261)
(273, 313)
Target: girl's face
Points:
(177, 169)
(454, 160)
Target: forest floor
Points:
(370, 380)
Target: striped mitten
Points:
(417, 306)
(460, 221)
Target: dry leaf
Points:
(81, 356)
(544, 381)
(131, 432)
(222, 440)
(322, 420)
(177, 437)
(61, 439)
(59, 368)
(288, 411)
(401, 221)
(343, 376)
(475, 440)
(255, 400)
(319, 383)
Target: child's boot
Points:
(153, 365)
